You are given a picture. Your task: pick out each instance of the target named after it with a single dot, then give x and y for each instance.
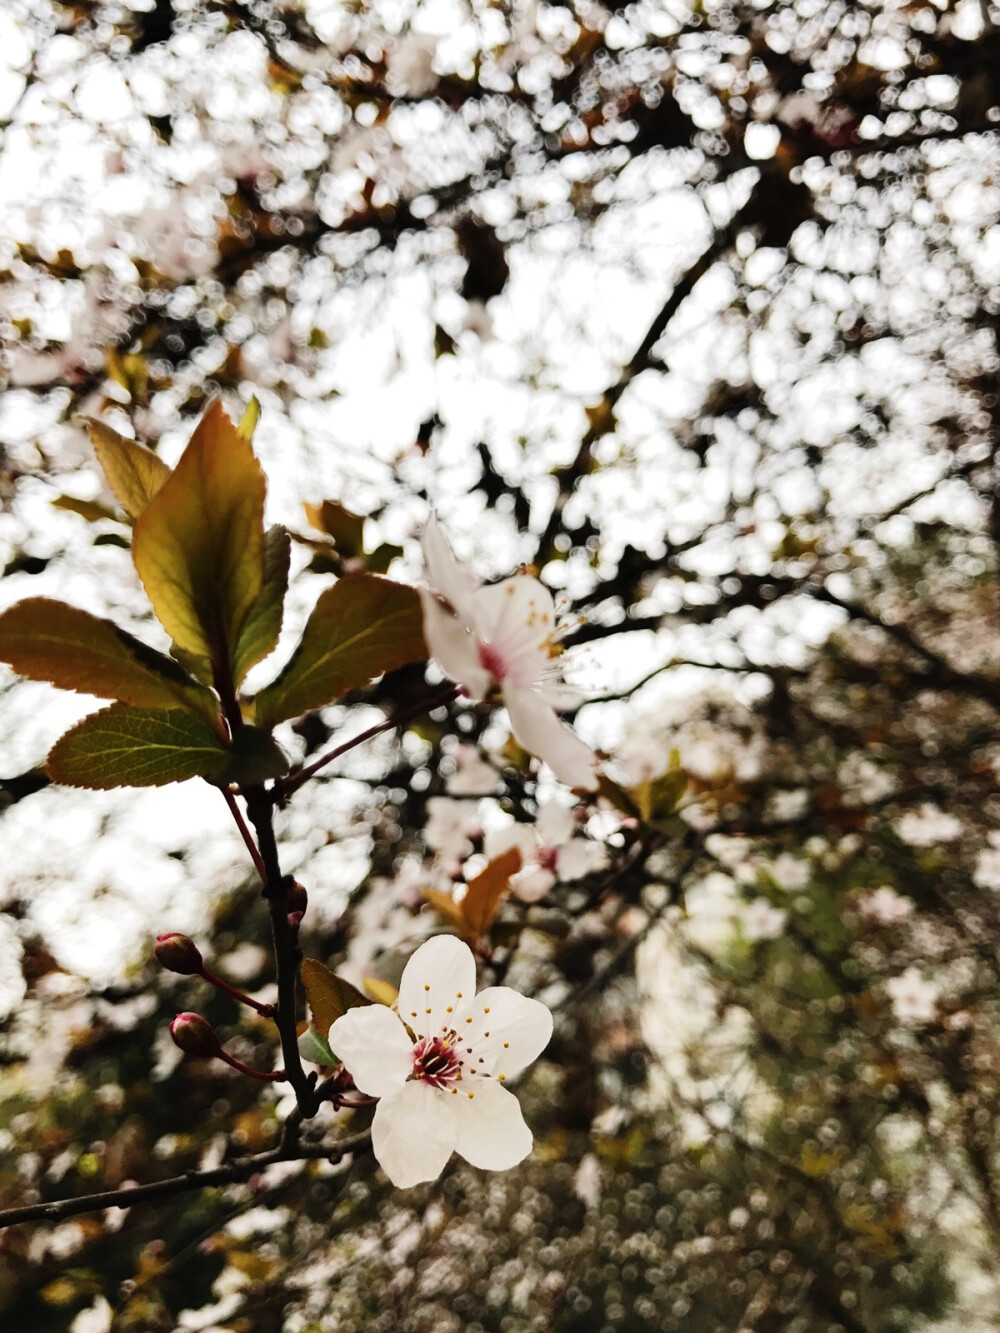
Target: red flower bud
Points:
(296, 899)
(196, 1036)
(178, 954)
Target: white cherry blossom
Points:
(439, 1067)
(551, 851)
(502, 636)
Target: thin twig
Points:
(283, 788)
(229, 1174)
(245, 833)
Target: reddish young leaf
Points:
(487, 891)
(133, 472)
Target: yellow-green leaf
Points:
(133, 472)
(360, 627)
(92, 510)
(382, 992)
(259, 635)
(135, 747)
(48, 640)
(329, 996)
(198, 545)
(249, 419)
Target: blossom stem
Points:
(264, 1076)
(284, 788)
(245, 833)
(265, 1010)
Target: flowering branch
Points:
(283, 788)
(242, 1168)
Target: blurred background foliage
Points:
(695, 308)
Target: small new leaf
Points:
(133, 472)
(345, 529)
(360, 627)
(329, 996)
(135, 747)
(48, 640)
(254, 757)
(199, 544)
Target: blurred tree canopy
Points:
(693, 307)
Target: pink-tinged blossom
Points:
(885, 906)
(762, 921)
(439, 1067)
(914, 998)
(551, 851)
(501, 637)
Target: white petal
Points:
(532, 884)
(414, 1133)
(508, 1030)
(500, 840)
(537, 728)
(437, 981)
(517, 617)
(555, 824)
(374, 1047)
(453, 646)
(580, 857)
(444, 573)
(491, 1129)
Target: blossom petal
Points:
(374, 1047)
(491, 1129)
(555, 824)
(500, 840)
(508, 1030)
(444, 573)
(580, 857)
(517, 617)
(453, 646)
(531, 885)
(414, 1133)
(438, 980)
(537, 728)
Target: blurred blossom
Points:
(927, 826)
(987, 872)
(443, 1093)
(473, 776)
(762, 921)
(885, 905)
(791, 872)
(914, 998)
(552, 851)
(450, 827)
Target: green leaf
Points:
(329, 996)
(360, 627)
(48, 640)
(199, 543)
(259, 635)
(254, 757)
(135, 747)
(133, 472)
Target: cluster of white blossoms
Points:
(501, 637)
(438, 1065)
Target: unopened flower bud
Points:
(195, 1035)
(178, 954)
(296, 899)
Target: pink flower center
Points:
(435, 1062)
(548, 858)
(492, 660)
